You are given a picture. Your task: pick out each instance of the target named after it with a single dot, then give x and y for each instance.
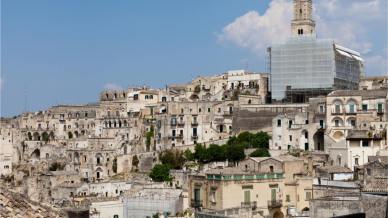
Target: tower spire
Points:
(303, 22)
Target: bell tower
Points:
(303, 23)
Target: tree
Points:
(216, 152)
(173, 158)
(160, 173)
(201, 153)
(235, 152)
(188, 155)
(261, 140)
(260, 152)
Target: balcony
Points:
(194, 123)
(380, 112)
(275, 204)
(181, 124)
(194, 137)
(228, 113)
(337, 112)
(252, 205)
(196, 203)
(173, 123)
(351, 113)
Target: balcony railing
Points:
(275, 204)
(252, 205)
(194, 123)
(173, 123)
(380, 112)
(180, 124)
(194, 137)
(196, 203)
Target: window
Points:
(337, 108)
(164, 99)
(199, 110)
(271, 169)
(279, 123)
(289, 124)
(379, 108)
(307, 122)
(365, 143)
(353, 123)
(351, 108)
(321, 123)
(135, 97)
(321, 109)
(364, 107)
(213, 196)
(208, 110)
(115, 216)
(288, 198)
(336, 123)
(356, 161)
(306, 135)
(290, 138)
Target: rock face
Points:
(15, 205)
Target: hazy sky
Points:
(67, 51)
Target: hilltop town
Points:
(299, 141)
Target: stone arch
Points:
(99, 172)
(99, 158)
(340, 121)
(52, 135)
(36, 136)
(76, 157)
(29, 136)
(351, 121)
(319, 141)
(70, 135)
(36, 154)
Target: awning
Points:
(344, 53)
(358, 58)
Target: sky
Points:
(68, 51)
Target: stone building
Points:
(267, 185)
(356, 126)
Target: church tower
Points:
(303, 23)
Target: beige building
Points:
(267, 185)
(356, 126)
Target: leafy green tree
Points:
(261, 140)
(201, 153)
(260, 152)
(235, 152)
(173, 158)
(160, 173)
(216, 152)
(188, 155)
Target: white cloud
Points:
(112, 86)
(349, 23)
(256, 32)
